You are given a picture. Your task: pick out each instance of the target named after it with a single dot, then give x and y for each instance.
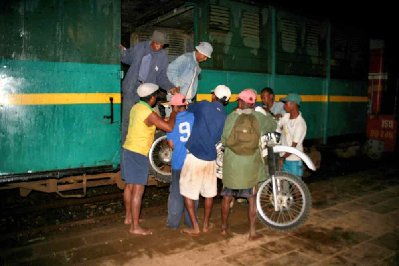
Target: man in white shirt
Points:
(292, 127)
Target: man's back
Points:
(180, 134)
(207, 129)
(244, 171)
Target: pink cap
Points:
(248, 96)
(178, 99)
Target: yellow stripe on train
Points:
(59, 98)
(103, 98)
(305, 98)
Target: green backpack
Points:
(245, 135)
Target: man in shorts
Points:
(198, 175)
(292, 127)
(135, 164)
(243, 168)
(177, 139)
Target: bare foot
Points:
(255, 236)
(207, 227)
(191, 231)
(224, 230)
(128, 221)
(140, 231)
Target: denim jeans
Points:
(176, 203)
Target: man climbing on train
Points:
(183, 72)
(148, 64)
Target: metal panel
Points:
(42, 137)
(58, 73)
(67, 31)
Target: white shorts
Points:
(198, 177)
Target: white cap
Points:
(222, 91)
(205, 48)
(146, 89)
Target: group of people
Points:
(193, 131)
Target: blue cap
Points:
(292, 97)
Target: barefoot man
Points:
(142, 124)
(242, 164)
(198, 175)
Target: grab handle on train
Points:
(111, 117)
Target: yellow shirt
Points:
(139, 136)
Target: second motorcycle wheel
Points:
(160, 157)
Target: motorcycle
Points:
(283, 200)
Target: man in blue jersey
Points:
(198, 175)
(177, 139)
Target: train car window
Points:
(301, 45)
(240, 35)
(349, 53)
(219, 18)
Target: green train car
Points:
(60, 78)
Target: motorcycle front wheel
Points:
(292, 198)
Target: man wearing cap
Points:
(243, 168)
(148, 63)
(177, 139)
(183, 71)
(134, 166)
(198, 175)
(292, 127)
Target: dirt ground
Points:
(353, 221)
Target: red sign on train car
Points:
(383, 127)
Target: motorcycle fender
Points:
(309, 163)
